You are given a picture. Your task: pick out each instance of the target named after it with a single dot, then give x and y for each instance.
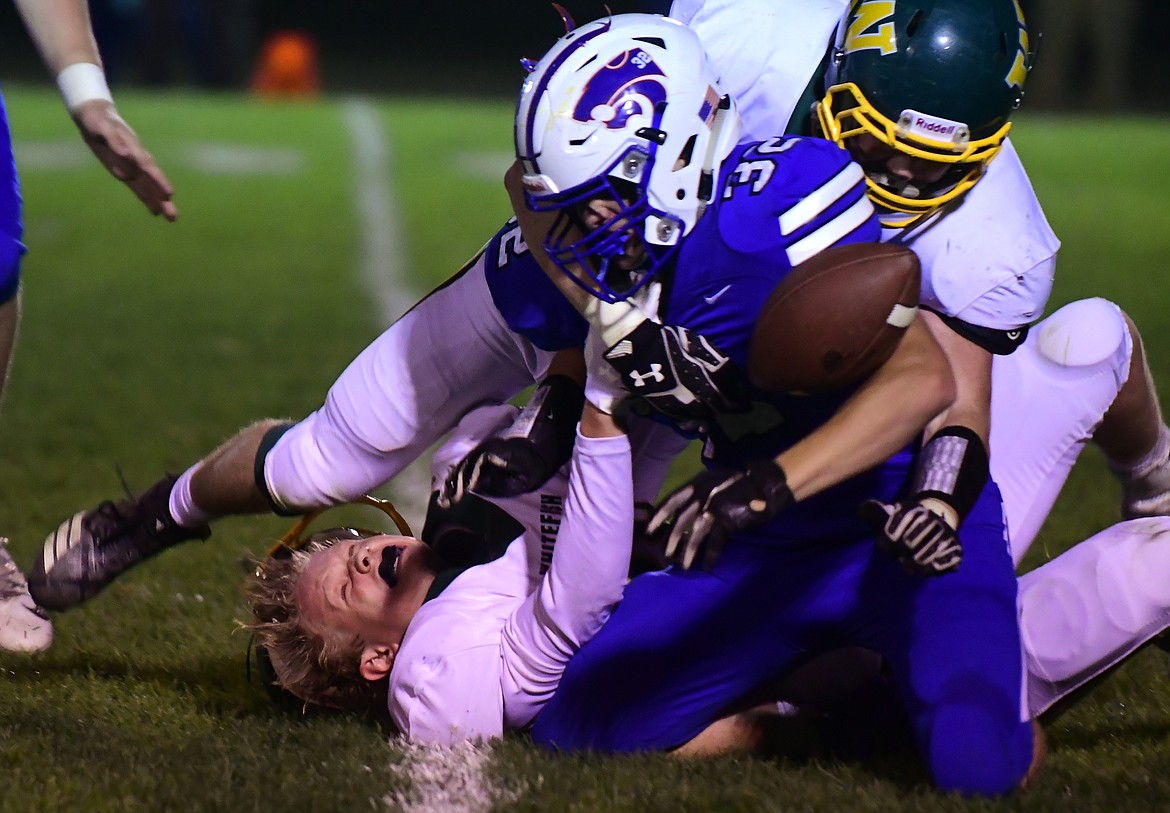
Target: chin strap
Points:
(725, 132)
(295, 538)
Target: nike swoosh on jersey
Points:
(710, 300)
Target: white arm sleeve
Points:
(586, 578)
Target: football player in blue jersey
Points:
(920, 92)
(653, 207)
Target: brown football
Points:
(835, 318)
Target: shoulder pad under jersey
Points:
(989, 261)
(795, 195)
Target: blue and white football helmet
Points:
(626, 108)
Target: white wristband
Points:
(83, 82)
(603, 384)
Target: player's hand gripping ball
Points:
(835, 319)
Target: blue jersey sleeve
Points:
(524, 295)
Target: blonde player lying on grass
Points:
(484, 654)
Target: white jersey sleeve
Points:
(990, 261)
(588, 574)
(764, 51)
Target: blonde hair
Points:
(316, 669)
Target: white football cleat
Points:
(24, 627)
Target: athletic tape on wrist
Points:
(952, 467)
(82, 82)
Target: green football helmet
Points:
(934, 79)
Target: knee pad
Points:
(11, 254)
(1091, 607)
(1097, 596)
(977, 753)
(1085, 333)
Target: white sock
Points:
(182, 506)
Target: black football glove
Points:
(523, 457)
(921, 540)
(678, 373)
(715, 504)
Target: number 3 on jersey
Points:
(754, 172)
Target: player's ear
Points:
(377, 660)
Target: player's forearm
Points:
(61, 30)
(971, 367)
(598, 424)
(885, 414)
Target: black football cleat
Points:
(90, 549)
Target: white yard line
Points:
(382, 263)
(382, 260)
(441, 780)
(447, 779)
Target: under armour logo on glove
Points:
(715, 504)
(919, 538)
(655, 375)
(678, 372)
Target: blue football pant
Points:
(688, 647)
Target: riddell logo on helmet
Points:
(933, 128)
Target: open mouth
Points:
(388, 567)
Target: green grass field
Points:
(145, 344)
